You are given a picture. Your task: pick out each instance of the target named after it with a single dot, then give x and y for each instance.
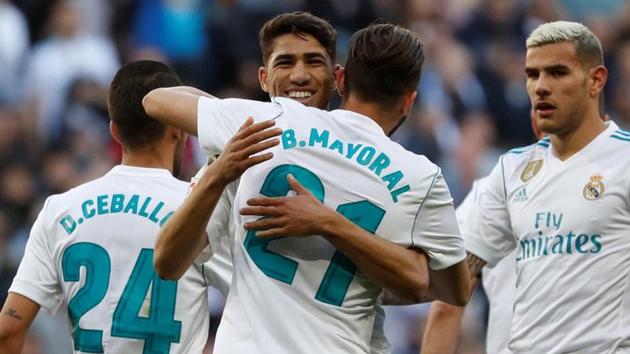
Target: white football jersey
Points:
(219, 267)
(91, 249)
(298, 295)
(569, 222)
(499, 282)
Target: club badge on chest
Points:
(594, 189)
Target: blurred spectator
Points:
(14, 42)
(178, 30)
(67, 67)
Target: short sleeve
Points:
(435, 229)
(490, 236)
(218, 120)
(37, 277)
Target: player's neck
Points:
(566, 145)
(382, 117)
(151, 159)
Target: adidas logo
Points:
(521, 196)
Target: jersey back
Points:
(292, 295)
(91, 249)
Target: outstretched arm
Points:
(16, 317)
(183, 237)
(174, 106)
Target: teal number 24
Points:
(158, 330)
(334, 286)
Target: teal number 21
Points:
(158, 329)
(334, 286)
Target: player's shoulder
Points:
(525, 154)
(76, 192)
(285, 104)
(420, 164)
(619, 139)
(152, 180)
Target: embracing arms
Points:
(175, 106)
(403, 271)
(183, 237)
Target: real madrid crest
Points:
(594, 189)
(531, 170)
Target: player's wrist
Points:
(333, 224)
(213, 178)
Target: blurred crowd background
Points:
(57, 59)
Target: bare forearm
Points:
(16, 317)
(174, 106)
(400, 270)
(450, 285)
(442, 329)
(183, 237)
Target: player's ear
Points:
(262, 78)
(176, 134)
(339, 74)
(113, 130)
(407, 103)
(598, 78)
(336, 68)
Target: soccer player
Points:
(91, 248)
(563, 204)
(376, 232)
(298, 53)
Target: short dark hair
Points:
(131, 83)
(298, 23)
(384, 62)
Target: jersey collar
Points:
(139, 171)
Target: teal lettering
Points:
(569, 237)
(68, 224)
(352, 149)
(399, 191)
(87, 211)
(288, 139)
(557, 246)
(153, 216)
(595, 240)
(366, 155)
(143, 209)
(557, 221)
(132, 205)
(547, 244)
(316, 137)
(101, 204)
(392, 179)
(118, 203)
(539, 218)
(381, 163)
(337, 145)
(165, 219)
(528, 248)
(581, 241)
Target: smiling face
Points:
(298, 68)
(558, 87)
